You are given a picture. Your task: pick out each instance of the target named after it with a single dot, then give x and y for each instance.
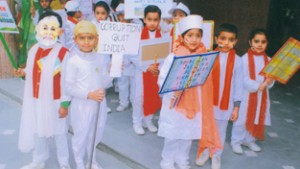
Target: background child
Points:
(227, 86)
(255, 107)
(86, 77)
(35, 14)
(178, 12)
(74, 14)
(41, 118)
(184, 123)
(147, 100)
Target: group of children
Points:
(70, 82)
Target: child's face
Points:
(259, 43)
(152, 20)
(48, 31)
(100, 13)
(44, 3)
(78, 15)
(178, 15)
(122, 19)
(226, 41)
(86, 41)
(192, 38)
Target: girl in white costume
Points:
(255, 107)
(85, 81)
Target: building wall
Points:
(245, 14)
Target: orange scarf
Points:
(152, 102)
(189, 104)
(73, 20)
(256, 131)
(228, 76)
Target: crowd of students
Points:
(66, 79)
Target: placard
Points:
(118, 38)
(188, 71)
(135, 8)
(7, 22)
(208, 34)
(155, 50)
(284, 63)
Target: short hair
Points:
(114, 3)
(71, 13)
(257, 31)
(152, 8)
(227, 27)
(48, 13)
(102, 4)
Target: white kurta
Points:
(173, 124)
(69, 34)
(236, 86)
(252, 86)
(85, 72)
(40, 116)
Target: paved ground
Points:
(122, 149)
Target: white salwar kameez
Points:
(86, 72)
(40, 116)
(239, 133)
(175, 127)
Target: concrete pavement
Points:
(122, 149)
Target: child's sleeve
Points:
(165, 69)
(238, 81)
(71, 75)
(65, 98)
(249, 84)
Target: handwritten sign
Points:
(7, 22)
(135, 8)
(188, 71)
(118, 38)
(154, 50)
(284, 63)
(208, 34)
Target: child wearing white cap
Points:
(185, 122)
(74, 14)
(178, 12)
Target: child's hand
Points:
(262, 86)
(32, 11)
(177, 94)
(235, 114)
(63, 112)
(97, 95)
(153, 68)
(269, 80)
(19, 73)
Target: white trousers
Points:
(41, 149)
(176, 151)
(222, 127)
(240, 135)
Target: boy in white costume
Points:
(86, 77)
(255, 107)
(127, 80)
(41, 118)
(74, 14)
(228, 87)
(193, 115)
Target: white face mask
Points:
(48, 31)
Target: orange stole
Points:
(256, 130)
(152, 102)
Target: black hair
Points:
(102, 4)
(257, 31)
(114, 3)
(48, 13)
(227, 27)
(185, 32)
(72, 13)
(152, 8)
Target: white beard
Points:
(46, 41)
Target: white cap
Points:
(72, 6)
(190, 22)
(181, 7)
(120, 8)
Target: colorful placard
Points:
(285, 63)
(7, 22)
(135, 8)
(188, 71)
